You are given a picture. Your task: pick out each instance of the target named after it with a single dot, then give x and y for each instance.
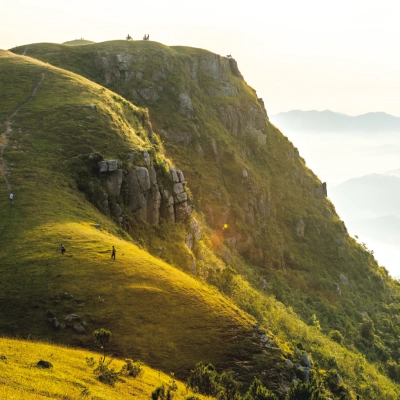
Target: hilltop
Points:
(213, 213)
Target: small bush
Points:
(107, 375)
(258, 392)
(132, 368)
(336, 336)
(162, 393)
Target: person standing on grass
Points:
(113, 252)
(62, 248)
(11, 198)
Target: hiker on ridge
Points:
(62, 248)
(113, 252)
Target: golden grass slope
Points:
(155, 312)
(70, 377)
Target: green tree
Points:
(103, 337)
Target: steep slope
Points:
(248, 182)
(156, 312)
(267, 214)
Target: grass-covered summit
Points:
(261, 225)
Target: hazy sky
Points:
(338, 55)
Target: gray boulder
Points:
(113, 165)
(103, 166)
(300, 228)
(365, 314)
(72, 318)
(185, 105)
(305, 360)
(79, 328)
(344, 279)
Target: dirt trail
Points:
(7, 131)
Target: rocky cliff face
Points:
(144, 196)
(208, 74)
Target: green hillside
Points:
(262, 243)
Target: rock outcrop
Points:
(145, 196)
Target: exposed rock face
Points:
(145, 196)
(344, 279)
(300, 228)
(114, 181)
(321, 191)
(185, 105)
(244, 122)
(239, 120)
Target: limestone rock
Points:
(175, 177)
(178, 188)
(195, 229)
(114, 181)
(200, 151)
(146, 157)
(79, 328)
(214, 66)
(365, 314)
(143, 178)
(71, 318)
(240, 122)
(112, 165)
(149, 93)
(189, 241)
(181, 177)
(344, 279)
(153, 175)
(117, 210)
(300, 228)
(305, 360)
(321, 191)
(338, 290)
(103, 166)
(153, 205)
(185, 105)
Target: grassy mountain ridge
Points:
(45, 215)
(169, 318)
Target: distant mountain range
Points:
(367, 197)
(329, 121)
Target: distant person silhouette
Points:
(113, 252)
(11, 198)
(62, 248)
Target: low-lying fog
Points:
(369, 205)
